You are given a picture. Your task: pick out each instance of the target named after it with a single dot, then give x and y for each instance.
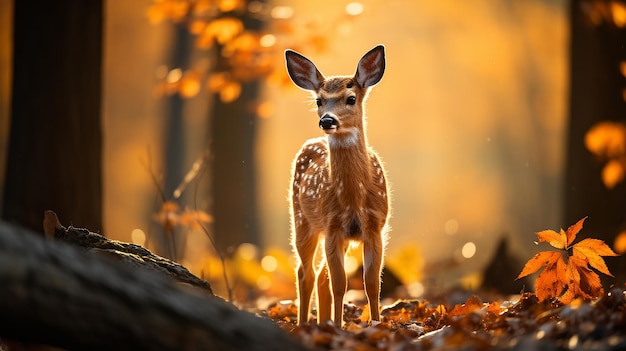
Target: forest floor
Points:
(451, 320)
(522, 323)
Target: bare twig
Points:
(229, 289)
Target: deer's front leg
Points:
(306, 243)
(335, 247)
(372, 265)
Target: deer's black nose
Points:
(328, 122)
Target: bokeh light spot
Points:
(415, 289)
(268, 40)
(174, 75)
(269, 263)
(468, 250)
(138, 237)
(247, 251)
(354, 8)
(282, 12)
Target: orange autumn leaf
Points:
(542, 259)
(592, 250)
(549, 283)
(472, 304)
(494, 308)
(584, 282)
(573, 230)
(574, 279)
(558, 240)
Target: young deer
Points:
(339, 193)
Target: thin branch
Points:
(229, 289)
(155, 181)
(222, 260)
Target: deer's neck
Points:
(349, 168)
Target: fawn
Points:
(339, 194)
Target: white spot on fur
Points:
(298, 218)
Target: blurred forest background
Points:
(172, 124)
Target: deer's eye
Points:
(351, 100)
(318, 102)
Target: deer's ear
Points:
(371, 67)
(302, 71)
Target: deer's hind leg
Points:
(373, 247)
(324, 299)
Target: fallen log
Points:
(57, 294)
(130, 254)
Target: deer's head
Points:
(339, 99)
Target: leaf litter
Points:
(568, 311)
(523, 324)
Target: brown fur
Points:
(338, 194)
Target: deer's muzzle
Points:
(328, 124)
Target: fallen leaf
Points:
(574, 279)
(471, 305)
(573, 230)
(592, 251)
(549, 283)
(541, 259)
(557, 240)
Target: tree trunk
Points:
(233, 130)
(234, 182)
(54, 152)
(596, 94)
(59, 295)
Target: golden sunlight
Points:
(138, 237)
(468, 250)
(354, 8)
